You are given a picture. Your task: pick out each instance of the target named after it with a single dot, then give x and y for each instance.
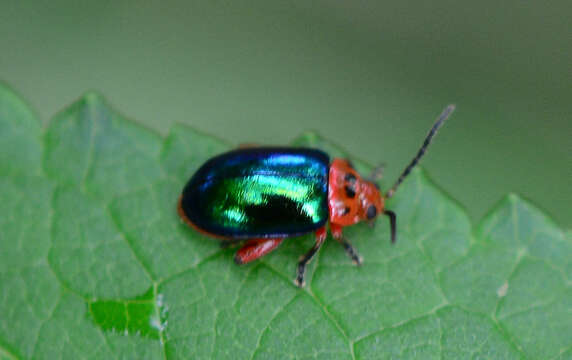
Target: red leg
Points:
(336, 231)
(339, 236)
(255, 248)
(321, 235)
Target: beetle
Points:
(258, 196)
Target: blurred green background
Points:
(370, 75)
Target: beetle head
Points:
(371, 202)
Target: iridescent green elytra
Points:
(259, 192)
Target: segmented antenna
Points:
(444, 115)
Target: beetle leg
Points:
(350, 250)
(256, 248)
(321, 234)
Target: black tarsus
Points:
(304, 260)
(444, 115)
(392, 224)
(351, 251)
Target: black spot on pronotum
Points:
(371, 212)
(350, 178)
(346, 211)
(350, 192)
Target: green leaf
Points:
(94, 262)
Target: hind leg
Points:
(256, 248)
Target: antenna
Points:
(444, 115)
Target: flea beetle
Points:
(258, 196)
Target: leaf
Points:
(94, 262)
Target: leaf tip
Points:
(89, 100)
(512, 198)
(308, 136)
(516, 204)
(92, 98)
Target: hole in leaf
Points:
(136, 316)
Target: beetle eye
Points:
(371, 212)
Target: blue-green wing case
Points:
(259, 192)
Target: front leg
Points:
(321, 234)
(339, 236)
